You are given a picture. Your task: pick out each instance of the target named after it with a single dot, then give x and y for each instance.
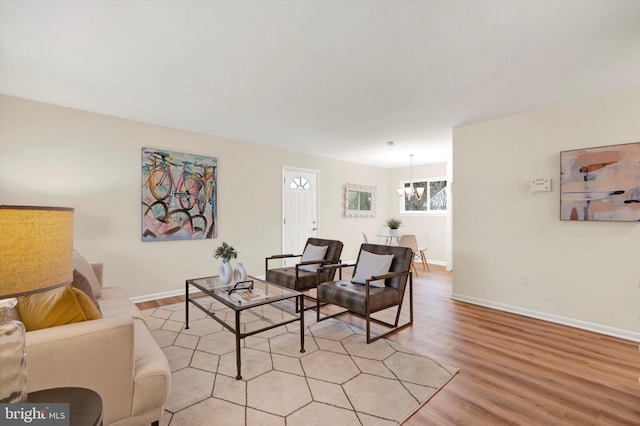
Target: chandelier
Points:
(411, 191)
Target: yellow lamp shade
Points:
(36, 249)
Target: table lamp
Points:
(36, 254)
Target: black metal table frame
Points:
(237, 310)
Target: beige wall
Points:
(583, 273)
(51, 155)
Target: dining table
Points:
(390, 237)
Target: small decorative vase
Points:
(13, 374)
(225, 272)
(239, 273)
(393, 232)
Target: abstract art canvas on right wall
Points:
(601, 183)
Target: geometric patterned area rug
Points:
(340, 379)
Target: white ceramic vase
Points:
(239, 273)
(13, 387)
(225, 273)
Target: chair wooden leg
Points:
(413, 265)
(424, 261)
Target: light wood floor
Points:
(513, 369)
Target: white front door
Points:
(300, 210)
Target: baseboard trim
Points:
(571, 322)
(170, 293)
(429, 261)
(161, 295)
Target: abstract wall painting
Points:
(178, 196)
(601, 184)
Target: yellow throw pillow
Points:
(60, 306)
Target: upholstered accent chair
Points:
(379, 281)
(305, 274)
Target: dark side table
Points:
(85, 405)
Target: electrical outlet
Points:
(526, 280)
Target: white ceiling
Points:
(333, 78)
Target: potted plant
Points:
(393, 224)
(226, 252)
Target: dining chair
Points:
(422, 248)
(409, 240)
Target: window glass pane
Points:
(413, 203)
(300, 182)
(353, 200)
(433, 198)
(438, 195)
(365, 200)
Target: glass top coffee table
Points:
(253, 297)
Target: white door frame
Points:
(283, 207)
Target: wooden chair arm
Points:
(389, 275)
(283, 256)
(313, 262)
(327, 267)
(277, 256)
(335, 266)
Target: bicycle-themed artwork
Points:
(178, 196)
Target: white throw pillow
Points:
(312, 252)
(371, 265)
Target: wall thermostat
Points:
(541, 185)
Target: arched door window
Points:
(300, 182)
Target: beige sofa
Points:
(116, 356)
